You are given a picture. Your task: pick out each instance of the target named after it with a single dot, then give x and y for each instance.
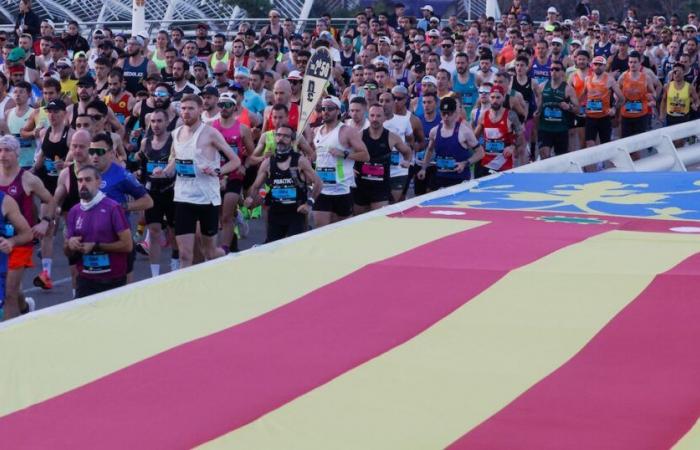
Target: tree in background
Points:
(645, 8)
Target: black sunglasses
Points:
(97, 151)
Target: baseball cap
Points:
(433, 33)
(64, 62)
(552, 10)
(51, 74)
(498, 88)
(427, 8)
(209, 90)
(434, 19)
(16, 54)
(199, 64)
(153, 77)
(622, 39)
(86, 80)
(236, 86)
(334, 100)
(687, 27)
(598, 60)
(448, 105)
(557, 41)
(419, 67)
(243, 71)
(429, 79)
(56, 105)
(50, 23)
(399, 89)
(17, 69)
(576, 42)
(80, 54)
(227, 98)
(385, 40)
(295, 75)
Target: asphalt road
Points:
(62, 290)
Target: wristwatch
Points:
(346, 153)
(217, 171)
(310, 201)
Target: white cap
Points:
(385, 39)
(568, 22)
(50, 23)
(690, 25)
(576, 42)
(427, 8)
(227, 98)
(552, 10)
(381, 60)
(557, 40)
(434, 32)
(294, 75)
(64, 62)
(429, 79)
(334, 100)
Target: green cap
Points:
(16, 54)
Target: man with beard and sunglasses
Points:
(97, 236)
(289, 175)
(160, 98)
(240, 138)
(86, 94)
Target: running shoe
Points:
(43, 280)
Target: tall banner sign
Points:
(138, 14)
(318, 72)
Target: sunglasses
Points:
(97, 151)
(398, 98)
(397, 61)
(446, 46)
(161, 94)
(219, 74)
(294, 81)
(328, 108)
(225, 105)
(555, 69)
(484, 92)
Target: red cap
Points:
(498, 88)
(17, 69)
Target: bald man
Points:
(66, 195)
(282, 95)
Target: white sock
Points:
(174, 264)
(46, 265)
(73, 293)
(155, 270)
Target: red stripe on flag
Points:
(207, 387)
(633, 386)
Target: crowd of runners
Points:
(116, 143)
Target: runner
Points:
(67, 194)
(597, 95)
(637, 96)
(50, 159)
(289, 175)
(240, 139)
(17, 119)
(196, 161)
(430, 118)
(22, 186)
(155, 152)
(373, 189)
(120, 101)
(400, 126)
(136, 67)
(338, 147)
(679, 98)
(98, 236)
(556, 100)
(454, 146)
(499, 127)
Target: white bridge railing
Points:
(617, 154)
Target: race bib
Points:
(121, 118)
(395, 158)
(327, 174)
(594, 106)
(184, 168)
(444, 163)
(153, 165)
(495, 146)
(50, 166)
(372, 171)
(553, 114)
(284, 193)
(633, 107)
(234, 149)
(95, 263)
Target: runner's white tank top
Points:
(337, 173)
(2, 107)
(191, 184)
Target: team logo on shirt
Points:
(79, 223)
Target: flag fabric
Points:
(522, 312)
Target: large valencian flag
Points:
(525, 312)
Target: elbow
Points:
(364, 156)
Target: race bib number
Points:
(327, 174)
(445, 164)
(633, 107)
(153, 165)
(594, 106)
(395, 158)
(184, 168)
(495, 146)
(50, 167)
(284, 193)
(372, 171)
(95, 263)
(553, 114)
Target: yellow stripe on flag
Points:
(437, 386)
(57, 352)
(691, 440)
